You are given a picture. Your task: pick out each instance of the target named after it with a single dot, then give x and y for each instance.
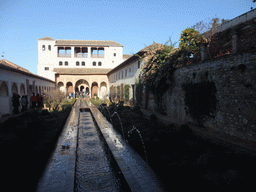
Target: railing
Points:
(64, 54)
(97, 55)
(84, 55)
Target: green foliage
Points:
(113, 92)
(200, 99)
(96, 102)
(126, 92)
(95, 94)
(118, 92)
(138, 93)
(189, 40)
(97, 98)
(159, 66)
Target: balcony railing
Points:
(82, 55)
(64, 54)
(97, 55)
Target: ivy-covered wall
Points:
(222, 90)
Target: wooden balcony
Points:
(64, 54)
(97, 56)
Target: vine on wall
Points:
(139, 93)
(126, 92)
(118, 88)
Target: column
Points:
(204, 52)
(72, 52)
(89, 52)
(234, 40)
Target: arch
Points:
(22, 89)
(4, 89)
(14, 88)
(103, 89)
(69, 87)
(77, 63)
(81, 83)
(94, 89)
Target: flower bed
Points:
(180, 158)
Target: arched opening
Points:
(4, 90)
(81, 86)
(60, 86)
(103, 89)
(69, 87)
(87, 90)
(22, 89)
(14, 88)
(94, 89)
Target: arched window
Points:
(83, 63)
(94, 63)
(49, 47)
(66, 63)
(60, 63)
(77, 63)
(99, 63)
(3, 90)
(43, 47)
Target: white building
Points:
(15, 79)
(79, 65)
(128, 72)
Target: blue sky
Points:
(132, 23)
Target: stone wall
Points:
(235, 81)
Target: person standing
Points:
(15, 103)
(33, 100)
(23, 103)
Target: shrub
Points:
(126, 92)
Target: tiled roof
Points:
(46, 38)
(88, 42)
(126, 56)
(135, 57)
(7, 63)
(81, 71)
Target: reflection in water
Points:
(94, 166)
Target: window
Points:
(99, 63)
(60, 63)
(94, 63)
(130, 70)
(114, 54)
(46, 68)
(83, 63)
(43, 47)
(77, 63)
(66, 63)
(49, 47)
(125, 72)
(138, 64)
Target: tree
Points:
(207, 30)
(189, 40)
(54, 98)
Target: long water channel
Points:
(96, 169)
